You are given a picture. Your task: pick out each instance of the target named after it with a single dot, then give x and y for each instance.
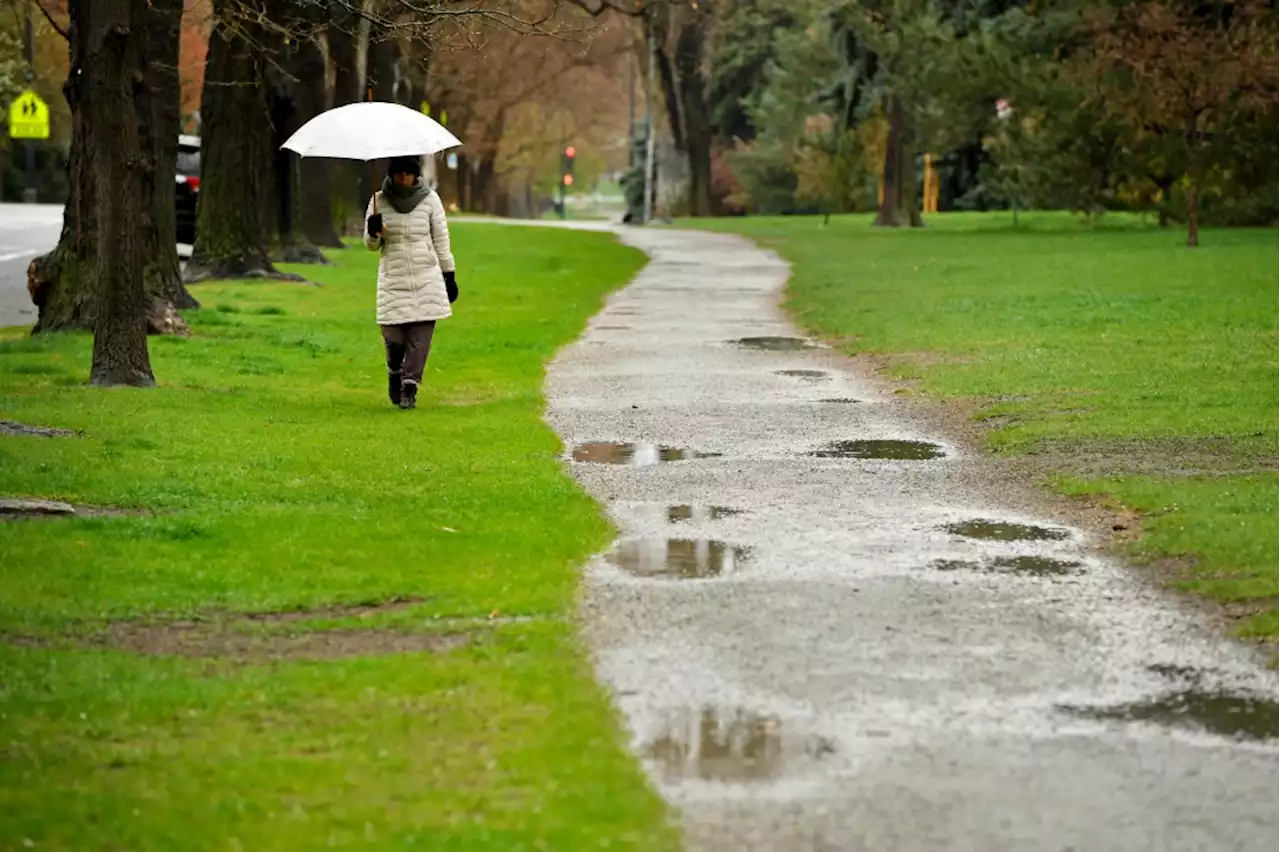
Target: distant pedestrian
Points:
(416, 281)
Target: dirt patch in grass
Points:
(255, 637)
(23, 508)
(1102, 458)
(10, 427)
(205, 640)
(362, 610)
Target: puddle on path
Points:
(634, 455)
(955, 565)
(775, 344)
(812, 375)
(678, 558)
(1237, 716)
(613, 328)
(1002, 531)
(839, 400)
(719, 745)
(880, 449)
(675, 514)
(1041, 566)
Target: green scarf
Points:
(404, 199)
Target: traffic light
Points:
(566, 163)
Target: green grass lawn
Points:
(1143, 373)
(269, 473)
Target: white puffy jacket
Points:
(415, 256)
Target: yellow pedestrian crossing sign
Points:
(29, 117)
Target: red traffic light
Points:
(570, 152)
(568, 180)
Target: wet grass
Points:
(1141, 372)
(279, 478)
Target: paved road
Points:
(26, 230)
(808, 660)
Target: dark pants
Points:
(407, 349)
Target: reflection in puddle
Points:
(1039, 565)
(713, 745)
(897, 450)
(633, 455)
(812, 375)
(726, 745)
(678, 558)
(839, 400)
(775, 344)
(675, 514)
(954, 565)
(1036, 565)
(1239, 716)
(1001, 531)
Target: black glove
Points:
(451, 286)
(375, 225)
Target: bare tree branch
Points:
(49, 17)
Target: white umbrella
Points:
(371, 130)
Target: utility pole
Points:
(29, 195)
(631, 109)
(649, 142)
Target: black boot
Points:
(393, 387)
(409, 395)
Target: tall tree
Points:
(164, 29)
(312, 99)
(233, 226)
(108, 68)
(1190, 78)
(291, 106)
(64, 282)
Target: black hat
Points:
(405, 166)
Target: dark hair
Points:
(405, 166)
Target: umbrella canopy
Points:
(370, 130)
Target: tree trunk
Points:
(350, 178)
(231, 229)
(316, 172)
(164, 275)
(1193, 212)
(63, 283)
(694, 111)
(285, 211)
(898, 209)
(482, 189)
(111, 57)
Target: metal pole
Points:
(649, 143)
(29, 195)
(631, 110)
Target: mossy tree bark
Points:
(109, 59)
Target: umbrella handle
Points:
(372, 172)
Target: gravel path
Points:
(809, 659)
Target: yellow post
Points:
(930, 194)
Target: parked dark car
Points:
(188, 189)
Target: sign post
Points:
(29, 121)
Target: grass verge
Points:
(1136, 371)
(320, 620)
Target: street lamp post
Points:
(649, 141)
(29, 193)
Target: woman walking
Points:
(416, 282)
